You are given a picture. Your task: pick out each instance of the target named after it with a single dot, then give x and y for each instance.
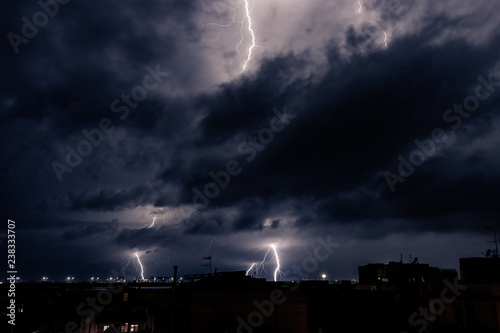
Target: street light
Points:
(323, 276)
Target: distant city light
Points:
(323, 276)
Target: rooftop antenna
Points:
(210, 264)
(495, 254)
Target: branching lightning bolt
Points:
(246, 18)
(133, 259)
(125, 264)
(142, 267)
(259, 267)
(249, 19)
(265, 256)
(223, 26)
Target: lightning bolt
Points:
(249, 18)
(210, 245)
(246, 18)
(250, 268)
(277, 262)
(360, 6)
(152, 224)
(225, 26)
(261, 270)
(126, 264)
(264, 260)
(142, 267)
(385, 38)
(265, 256)
(135, 258)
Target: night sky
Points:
(373, 125)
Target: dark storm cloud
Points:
(359, 118)
(244, 106)
(146, 237)
(66, 77)
(351, 127)
(81, 231)
(104, 200)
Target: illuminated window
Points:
(125, 297)
(124, 327)
(134, 328)
(21, 308)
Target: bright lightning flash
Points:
(142, 267)
(248, 272)
(385, 38)
(137, 263)
(246, 18)
(360, 6)
(260, 269)
(277, 262)
(152, 224)
(249, 18)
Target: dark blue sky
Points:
(374, 123)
